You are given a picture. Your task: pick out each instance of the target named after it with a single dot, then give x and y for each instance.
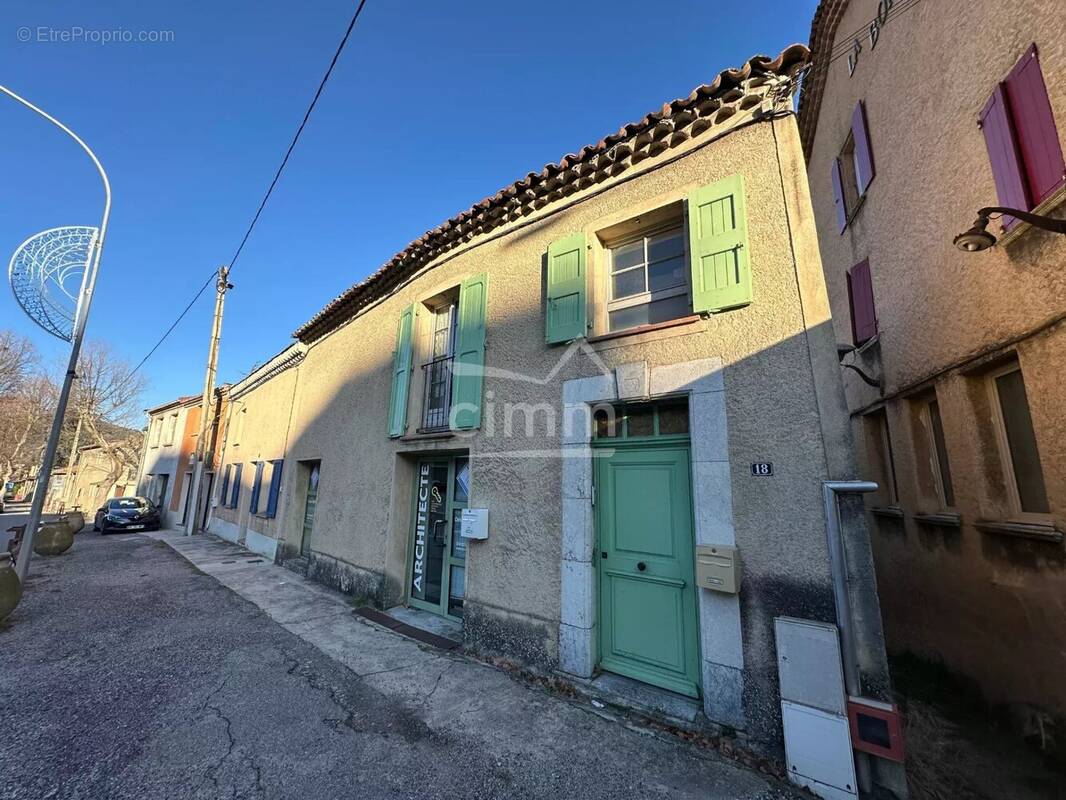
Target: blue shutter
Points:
(257, 485)
(275, 488)
(235, 498)
(225, 485)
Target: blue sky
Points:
(432, 107)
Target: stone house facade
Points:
(254, 444)
(528, 419)
(92, 481)
(167, 463)
(958, 407)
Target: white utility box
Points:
(474, 523)
(818, 751)
(808, 664)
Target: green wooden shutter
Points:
(401, 373)
(567, 280)
(468, 366)
(718, 238)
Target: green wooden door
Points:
(647, 587)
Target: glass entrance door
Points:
(309, 510)
(438, 552)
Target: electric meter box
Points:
(718, 568)
(474, 523)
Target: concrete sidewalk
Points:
(457, 696)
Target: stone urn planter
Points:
(10, 586)
(76, 521)
(53, 538)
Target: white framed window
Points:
(933, 426)
(648, 277)
(170, 428)
(437, 348)
(238, 427)
(154, 427)
(442, 335)
(849, 172)
(879, 450)
(1016, 438)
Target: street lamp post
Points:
(85, 296)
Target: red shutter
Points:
(838, 196)
(1034, 128)
(861, 297)
(864, 156)
(1003, 153)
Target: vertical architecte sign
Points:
(418, 569)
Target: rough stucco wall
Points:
(267, 410)
(989, 606)
(513, 577)
(169, 459)
(91, 487)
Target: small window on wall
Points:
(171, 428)
(648, 279)
(852, 170)
(238, 427)
(935, 446)
(880, 458)
(1020, 457)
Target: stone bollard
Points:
(53, 538)
(10, 586)
(76, 520)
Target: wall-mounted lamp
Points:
(978, 238)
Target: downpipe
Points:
(842, 601)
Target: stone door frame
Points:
(721, 643)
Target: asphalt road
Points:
(127, 673)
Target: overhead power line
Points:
(270, 190)
(300, 130)
(846, 43)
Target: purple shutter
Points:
(838, 196)
(864, 156)
(861, 298)
(1034, 128)
(1003, 154)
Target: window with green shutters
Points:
(401, 373)
(469, 365)
(567, 286)
(718, 239)
(453, 375)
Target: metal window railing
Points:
(437, 395)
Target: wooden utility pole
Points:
(222, 286)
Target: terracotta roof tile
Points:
(678, 121)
